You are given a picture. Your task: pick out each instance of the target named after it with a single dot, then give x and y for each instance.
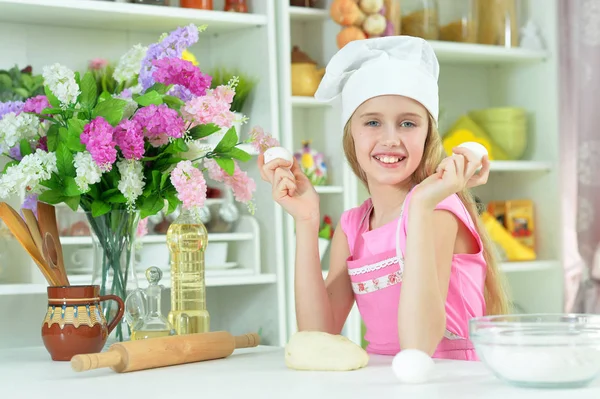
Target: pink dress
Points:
(376, 276)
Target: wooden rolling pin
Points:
(123, 357)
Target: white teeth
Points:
(387, 159)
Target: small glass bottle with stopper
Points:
(142, 309)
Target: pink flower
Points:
(98, 139)
(242, 185)
(97, 64)
(224, 93)
(159, 122)
(177, 71)
(262, 141)
(142, 228)
(190, 184)
(36, 104)
(128, 136)
(211, 108)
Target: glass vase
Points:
(113, 241)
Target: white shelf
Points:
(211, 281)
(329, 189)
(468, 53)
(520, 166)
(538, 265)
(122, 16)
(159, 238)
(308, 14)
(308, 102)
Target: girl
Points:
(414, 255)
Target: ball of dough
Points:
(320, 351)
(277, 152)
(412, 366)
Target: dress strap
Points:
(399, 254)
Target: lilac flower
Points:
(30, 202)
(171, 46)
(11, 106)
(160, 122)
(36, 104)
(177, 71)
(98, 139)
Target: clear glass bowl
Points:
(539, 350)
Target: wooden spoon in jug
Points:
(19, 229)
(48, 227)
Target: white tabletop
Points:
(254, 373)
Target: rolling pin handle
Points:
(247, 340)
(91, 361)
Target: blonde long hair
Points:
(495, 292)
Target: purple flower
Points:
(30, 202)
(128, 136)
(177, 71)
(98, 139)
(11, 106)
(15, 153)
(171, 46)
(181, 92)
(160, 122)
(36, 104)
(43, 143)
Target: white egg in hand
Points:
(277, 152)
(477, 148)
(412, 366)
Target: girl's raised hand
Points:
(453, 174)
(290, 188)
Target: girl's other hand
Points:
(290, 188)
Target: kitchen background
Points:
(500, 84)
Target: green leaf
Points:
(180, 145)
(100, 208)
(51, 98)
(74, 134)
(64, 161)
(94, 191)
(63, 135)
(117, 198)
(73, 202)
(173, 102)
(108, 193)
(156, 176)
(201, 131)
(165, 163)
(149, 98)
(89, 91)
(151, 205)
(160, 88)
(111, 110)
(171, 197)
(71, 188)
(53, 183)
(52, 197)
(25, 147)
(104, 96)
(163, 180)
(228, 141)
(51, 111)
(226, 164)
(238, 153)
(52, 135)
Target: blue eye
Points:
(407, 124)
(372, 123)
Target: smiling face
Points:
(389, 135)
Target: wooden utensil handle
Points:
(247, 340)
(93, 361)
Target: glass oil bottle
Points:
(187, 238)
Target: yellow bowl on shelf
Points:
(506, 127)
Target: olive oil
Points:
(187, 239)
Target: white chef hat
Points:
(368, 68)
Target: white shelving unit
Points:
(472, 76)
(73, 32)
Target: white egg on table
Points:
(477, 148)
(277, 152)
(412, 366)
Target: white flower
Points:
(14, 128)
(61, 82)
(87, 171)
(132, 180)
(26, 176)
(130, 64)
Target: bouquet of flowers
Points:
(126, 156)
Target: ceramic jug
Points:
(305, 74)
(74, 322)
